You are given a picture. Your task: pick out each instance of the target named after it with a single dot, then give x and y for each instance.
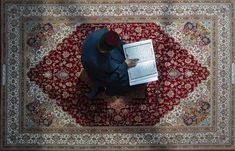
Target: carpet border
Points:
(2, 62)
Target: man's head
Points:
(109, 41)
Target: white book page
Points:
(143, 52)
(142, 69)
(147, 79)
(145, 70)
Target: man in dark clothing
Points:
(105, 64)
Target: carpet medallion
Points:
(44, 106)
(179, 74)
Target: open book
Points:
(145, 71)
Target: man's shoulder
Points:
(99, 32)
(94, 36)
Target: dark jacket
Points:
(105, 69)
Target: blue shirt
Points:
(105, 69)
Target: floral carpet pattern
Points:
(43, 82)
(179, 74)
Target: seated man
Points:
(105, 64)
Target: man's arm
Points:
(121, 69)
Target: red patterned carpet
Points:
(60, 75)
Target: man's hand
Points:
(131, 62)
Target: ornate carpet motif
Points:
(179, 74)
(43, 105)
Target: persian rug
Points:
(43, 84)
